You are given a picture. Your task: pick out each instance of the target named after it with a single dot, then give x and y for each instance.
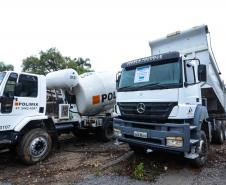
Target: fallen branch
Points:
(118, 160)
(92, 151)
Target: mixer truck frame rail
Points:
(173, 100)
(36, 109)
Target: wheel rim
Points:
(38, 147)
(202, 149)
(222, 135)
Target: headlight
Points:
(174, 141)
(117, 132)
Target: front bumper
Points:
(156, 134)
(8, 138)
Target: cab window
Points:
(29, 86)
(10, 85)
(2, 76)
(8, 94)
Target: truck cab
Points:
(161, 82)
(162, 99)
(22, 97)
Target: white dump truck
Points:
(35, 109)
(173, 100)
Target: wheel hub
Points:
(202, 150)
(38, 146)
(222, 135)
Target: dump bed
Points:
(196, 43)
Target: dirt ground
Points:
(162, 168)
(79, 159)
(74, 160)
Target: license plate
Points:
(140, 134)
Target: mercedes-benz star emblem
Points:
(140, 108)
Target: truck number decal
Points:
(4, 127)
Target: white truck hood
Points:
(159, 95)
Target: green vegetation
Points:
(5, 67)
(139, 171)
(139, 167)
(98, 174)
(53, 60)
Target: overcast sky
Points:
(109, 32)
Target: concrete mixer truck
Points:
(173, 100)
(36, 109)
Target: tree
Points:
(83, 64)
(32, 64)
(53, 60)
(5, 67)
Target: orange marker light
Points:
(96, 99)
(17, 103)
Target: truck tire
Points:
(34, 146)
(105, 133)
(137, 149)
(224, 130)
(218, 135)
(202, 150)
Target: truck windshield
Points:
(157, 76)
(2, 75)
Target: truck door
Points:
(20, 99)
(26, 97)
(192, 93)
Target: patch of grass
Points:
(98, 174)
(116, 169)
(139, 171)
(139, 167)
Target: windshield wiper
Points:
(126, 88)
(151, 85)
(134, 88)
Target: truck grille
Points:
(153, 110)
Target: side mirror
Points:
(18, 89)
(202, 74)
(118, 77)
